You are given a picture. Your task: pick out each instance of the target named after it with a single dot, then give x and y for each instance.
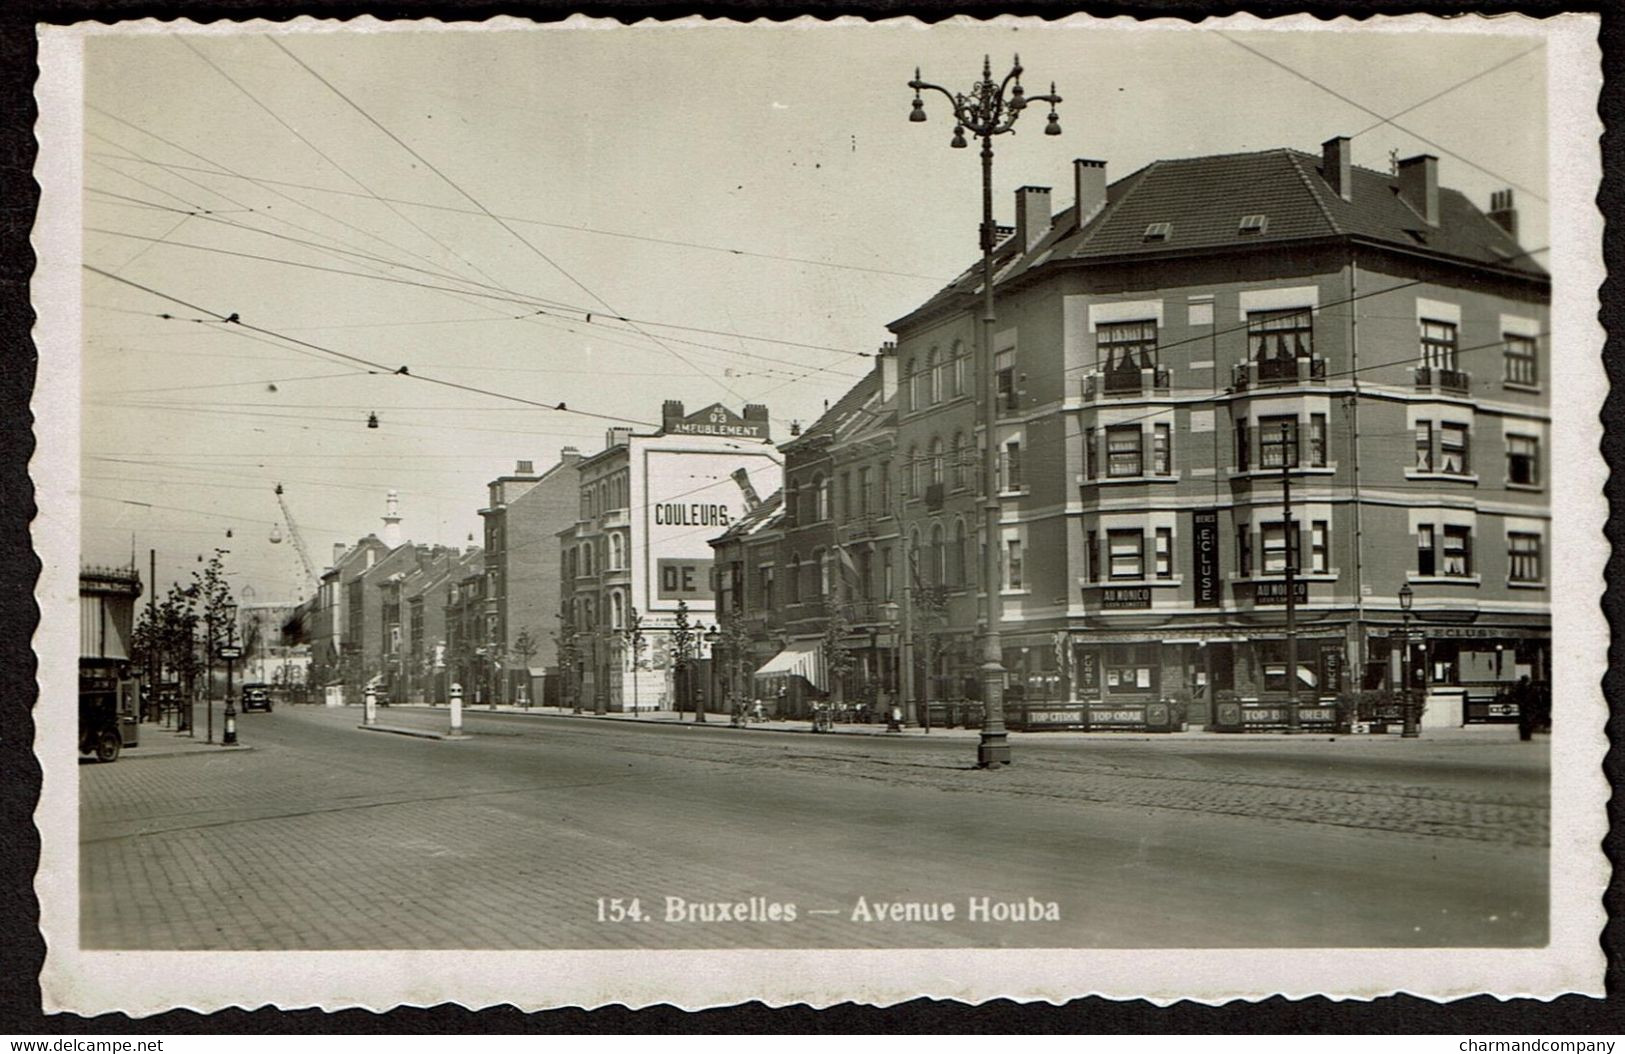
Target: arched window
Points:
(933, 377)
(960, 551)
(617, 552)
(956, 370)
(792, 580)
(939, 555)
(617, 610)
(905, 391)
(820, 498)
(936, 461)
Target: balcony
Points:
(860, 528)
(1277, 371)
(1119, 383)
(1436, 378)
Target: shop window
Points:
(1244, 446)
(1523, 460)
(1453, 444)
(1426, 555)
(1458, 552)
(1244, 550)
(1012, 564)
(1127, 552)
(1438, 344)
(1319, 546)
(1523, 555)
(1161, 455)
(1165, 552)
(1277, 548)
(1272, 658)
(1317, 440)
(1123, 451)
(1278, 442)
(1521, 367)
(1131, 667)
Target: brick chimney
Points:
(670, 412)
(1419, 186)
(1337, 165)
(569, 453)
(1089, 184)
(1502, 212)
(1032, 216)
(887, 356)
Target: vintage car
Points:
(99, 726)
(256, 697)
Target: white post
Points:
(371, 712)
(456, 709)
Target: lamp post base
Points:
(994, 749)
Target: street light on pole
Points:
(228, 737)
(989, 109)
(1407, 709)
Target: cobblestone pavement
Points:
(328, 837)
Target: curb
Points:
(205, 751)
(415, 733)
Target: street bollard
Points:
(894, 719)
(456, 709)
(370, 711)
(228, 738)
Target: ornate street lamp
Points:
(1407, 707)
(991, 108)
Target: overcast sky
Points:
(755, 198)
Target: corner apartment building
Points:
(647, 506)
(1168, 353)
(523, 518)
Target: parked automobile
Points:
(256, 697)
(99, 731)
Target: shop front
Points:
(1469, 674)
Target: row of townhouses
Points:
(1216, 382)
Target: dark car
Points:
(99, 731)
(256, 697)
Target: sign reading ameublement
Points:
(715, 420)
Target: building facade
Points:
(637, 562)
(1215, 332)
(523, 517)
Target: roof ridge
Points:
(1296, 162)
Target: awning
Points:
(801, 658)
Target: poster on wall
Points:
(690, 497)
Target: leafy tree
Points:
(567, 642)
(212, 593)
(838, 658)
(735, 646)
(633, 635)
(684, 642)
(525, 647)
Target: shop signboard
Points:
(1274, 592)
(1205, 557)
(1088, 670)
(1121, 597)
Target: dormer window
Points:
(1253, 224)
(1158, 232)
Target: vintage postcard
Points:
(700, 512)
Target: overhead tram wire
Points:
(402, 370)
(1380, 118)
(1481, 74)
(542, 306)
(326, 157)
(499, 221)
(529, 221)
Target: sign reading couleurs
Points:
(1205, 556)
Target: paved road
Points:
(325, 836)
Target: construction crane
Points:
(298, 539)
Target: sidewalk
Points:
(1465, 735)
(156, 741)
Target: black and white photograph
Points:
(704, 511)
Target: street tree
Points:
(567, 642)
(212, 593)
(838, 658)
(684, 642)
(633, 635)
(525, 647)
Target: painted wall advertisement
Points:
(690, 497)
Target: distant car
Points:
(256, 697)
